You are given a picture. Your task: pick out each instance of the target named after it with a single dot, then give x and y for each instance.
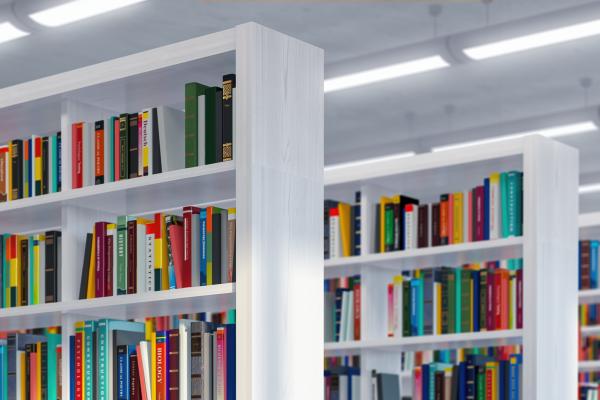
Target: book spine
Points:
(203, 247)
(480, 213)
(356, 306)
(161, 354)
(435, 224)
(140, 144)
(490, 321)
(133, 374)
(117, 148)
(173, 358)
(124, 146)
(216, 246)
(24, 249)
(228, 116)
(108, 278)
(191, 125)
(444, 219)
(17, 169)
(486, 209)
(149, 272)
(99, 152)
(100, 229)
(131, 257)
(133, 146)
(122, 254)
(79, 362)
(423, 228)
(231, 243)
(76, 155)
(3, 173)
(51, 268)
(520, 299)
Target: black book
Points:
(423, 226)
(98, 179)
(52, 266)
(17, 169)
(455, 383)
(428, 289)
(59, 160)
(228, 113)
(216, 245)
(30, 348)
(45, 169)
(406, 304)
(124, 146)
(219, 124)
(439, 385)
(133, 146)
(85, 269)
(387, 386)
(24, 248)
(156, 160)
(44, 370)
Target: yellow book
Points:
(38, 371)
(438, 315)
(382, 203)
(9, 177)
(37, 167)
(153, 363)
(164, 280)
(91, 287)
(345, 228)
(149, 322)
(457, 220)
(36, 268)
(583, 312)
(145, 145)
(491, 374)
(23, 373)
(18, 267)
(12, 262)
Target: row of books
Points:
(471, 298)
(209, 122)
(30, 167)
(589, 314)
(589, 348)
(342, 378)
(479, 377)
(342, 228)
(588, 391)
(30, 365)
(490, 211)
(342, 309)
(588, 264)
(136, 255)
(31, 269)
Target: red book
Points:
(100, 229)
(173, 345)
(131, 257)
(99, 153)
(356, 289)
(187, 240)
(221, 364)
(479, 210)
(489, 384)
(497, 299)
(77, 155)
(520, 299)
(140, 366)
(134, 378)
(451, 218)
(504, 298)
(490, 323)
(161, 365)
(108, 278)
(79, 365)
(183, 277)
(469, 215)
(33, 392)
(117, 149)
(444, 219)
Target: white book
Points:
(335, 242)
(145, 352)
(149, 269)
(146, 154)
(42, 255)
(207, 365)
(88, 154)
(141, 258)
(108, 150)
(494, 206)
(409, 227)
(185, 346)
(201, 130)
(343, 379)
(350, 316)
(195, 250)
(343, 316)
(355, 387)
(171, 131)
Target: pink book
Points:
(451, 218)
(221, 364)
(141, 372)
(33, 376)
(390, 324)
(418, 384)
(183, 277)
(469, 215)
(140, 147)
(479, 210)
(520, 298)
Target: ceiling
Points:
(404, 114)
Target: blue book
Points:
(230, 353)
(425, 375)
(122, 373)
(72, 367)
(471, 372)
(131, 349)
(513, 376)
(476, 303)
(203, 249)
(594, 263)
(462, 381)
(486, 209)
(414, 306)
(579, 263)
(502, 378)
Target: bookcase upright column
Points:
(551, 177)
(279, 193)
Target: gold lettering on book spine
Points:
(227, 89)
(227, 152)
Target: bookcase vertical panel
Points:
(279, 191)
(551, 176)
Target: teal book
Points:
(4, 368)
(504, 204)
(31, 275)
(54, 164)
(88, 350)
(515, 203)
(121, 255)
(457, 300)
(104, 355)
(53, 340)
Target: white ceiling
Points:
(383, 118)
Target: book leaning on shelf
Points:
(489, 211)
(116, 359)
(30, 269)
(209, 122)
(342, 309)
(136, 255)
(342, 228)
(30, 167)
(445, 300)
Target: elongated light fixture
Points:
(534, 40)
(10, 32)
(368, 161)
(592, 188)
(77, 10)
(385, 73)
(557, 131)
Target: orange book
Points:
(444, 219)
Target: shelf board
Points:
(167, 302)
(168, 190)
(593, 330)
(429, 342)
(429, 257)
(589, 366)
(589, 296)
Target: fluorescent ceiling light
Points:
(589, 188)
(368, 161)
(535, 40)
(562, 130)
(385, 73)
(9, 32)
(78, 10)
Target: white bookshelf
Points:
(549, 334)
(275, 182)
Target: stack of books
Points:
(30, 365)
(490, 211)
(113, 359)
(342, 309)
(209, 122)
(588, 391)
(471, 298)
(588, 264)
(31, 269)
(342, 378)
(30, 167)
(589, 314)
(136, 255)
(342, 228)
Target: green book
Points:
(90, 362)
(515, 203)
(122, 255)
(406, 331)
(481, 388)
(104, 354)
(466, 306)
(504, 204)
(193, 91)
(483, 276)
(457, 300)
(451, 277)
(389, 227)
(445, 301)
(53, 340)
(124, 146)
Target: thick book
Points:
(168, 139)
(228, 116)
(195, 94)
(133, 146)
(52, 268)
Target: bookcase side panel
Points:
(550, 338)
(279, 192)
